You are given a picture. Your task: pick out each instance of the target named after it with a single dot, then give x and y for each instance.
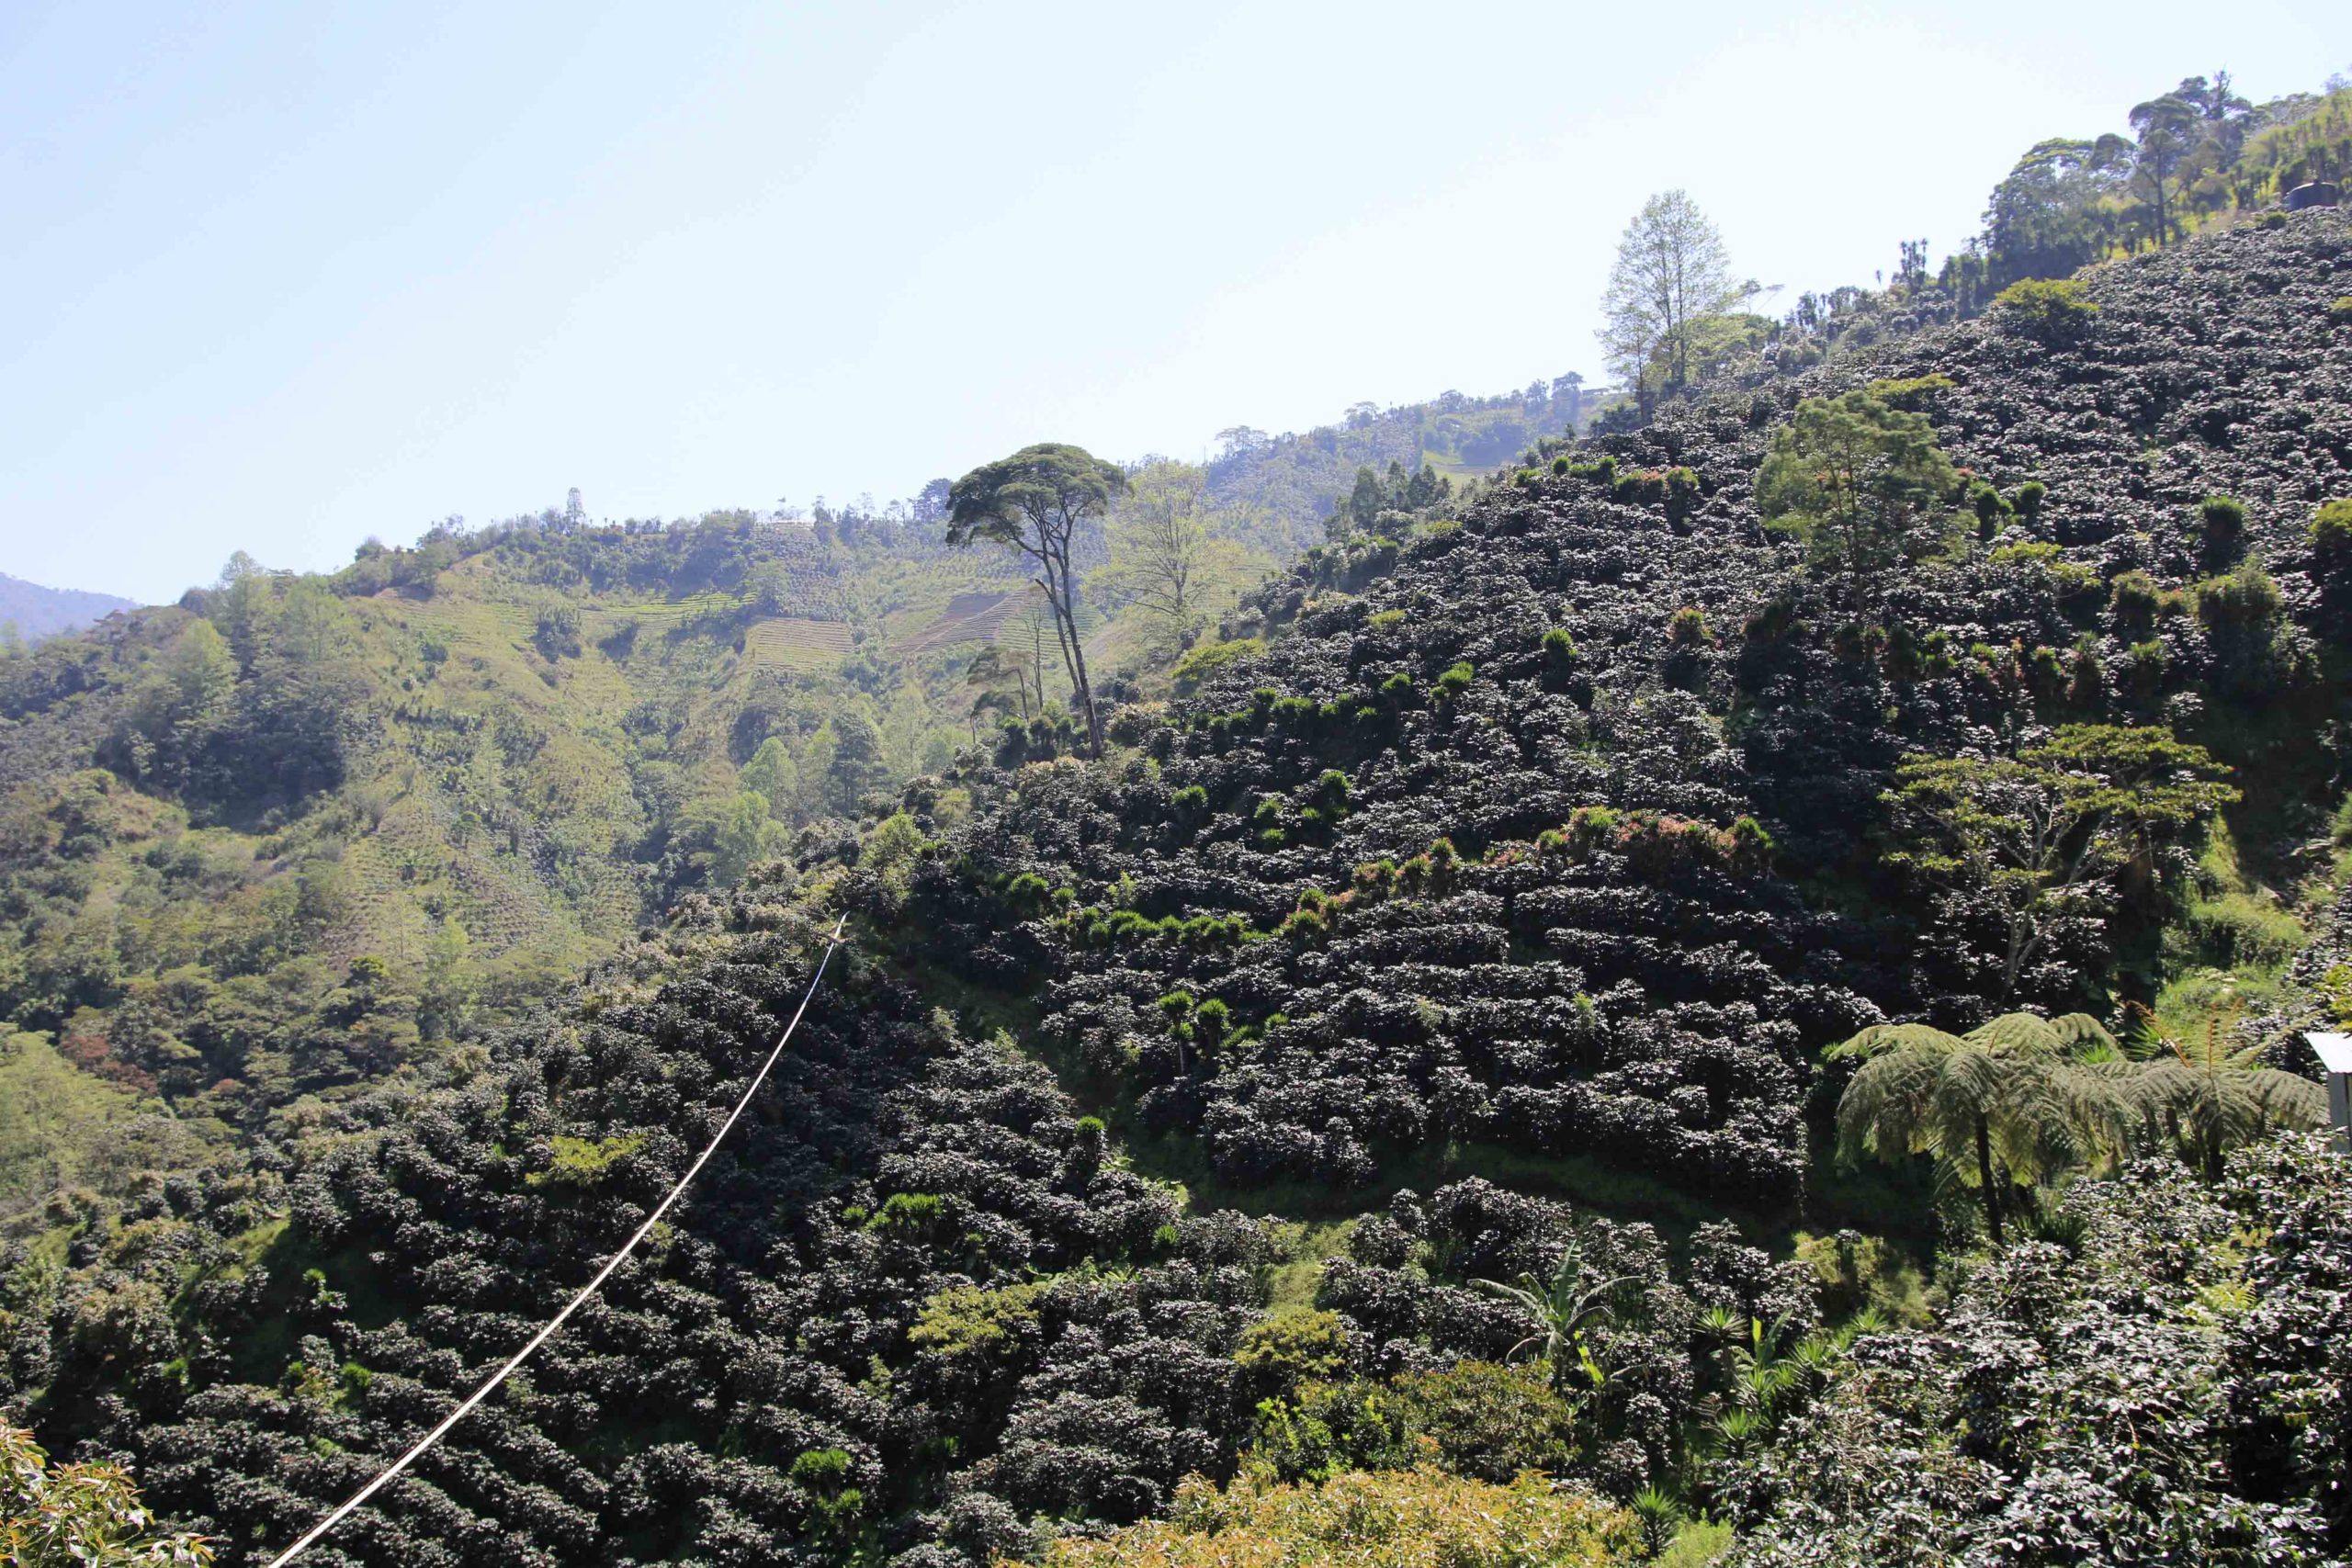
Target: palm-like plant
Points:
(1814, 1361)
(2027, 1096)
(2208, 1096)
(1726, 1325)
(1738, 1430)
(1762, 1377)
(1563, 1308)
(1658, 1515)
(1764, 1372)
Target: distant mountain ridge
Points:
(37, 612)
(1290, 483)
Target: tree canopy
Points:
(1861, 484)
(1672, 272)
(2020, 1099)
(1173, 560)
(1036, 503)
(2044, 834)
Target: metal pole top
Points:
(2335, 1055)
(2335, 1051)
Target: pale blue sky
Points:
(280, 276)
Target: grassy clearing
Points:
(966, 618)
(1313, 1244)
(1463, 475)
(261, 1355)
(52, 1116)
(250, 1248)
(978, 1010)
(2229, 951)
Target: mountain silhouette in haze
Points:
(37, 612)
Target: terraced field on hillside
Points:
(799, 642)
(966, 618)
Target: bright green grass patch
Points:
(52, 1247)
(2230, 948)
(1697, 1543)
(806, 644)
(52, 1114)
(1463, 475)
(1314, 1243)
(250, 1245)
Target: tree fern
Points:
(2021, 1094)
(2206, 1096)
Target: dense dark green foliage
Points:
(2139, 1391)
(1541, 842)
(1641, 991)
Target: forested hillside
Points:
(1287, 486)
(1732, 993)
(278, 840)
(273, 843)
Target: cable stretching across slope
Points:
(318, 1530)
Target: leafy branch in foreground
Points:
(77, 1516)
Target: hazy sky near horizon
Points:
(284, 273)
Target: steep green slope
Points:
(1536, 855)
(1617, 654)
(278, 839)
(52, 1118)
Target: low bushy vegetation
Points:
(1734, 991)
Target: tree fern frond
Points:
(1882, 1037)
(2083, 1034)
(2018, 1032)
(2287, 1099)
(1951, 1177)
(1881, 1109)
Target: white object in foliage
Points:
(2335, 1055)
